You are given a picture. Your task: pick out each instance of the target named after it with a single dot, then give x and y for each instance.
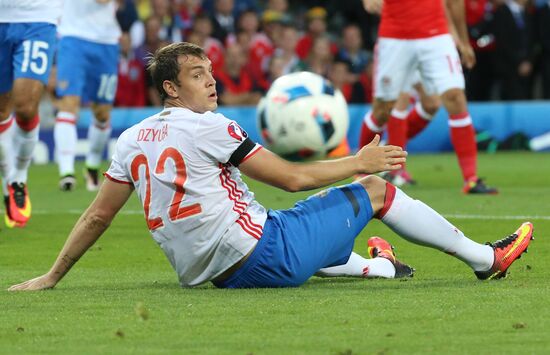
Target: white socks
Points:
(98, 136)
(357, 266)
(23, 144)
(6, 155)
(65, 139)
(419, 224)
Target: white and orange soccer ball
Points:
(302, 115)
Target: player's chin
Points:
(212, 105)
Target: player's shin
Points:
(417, 120)
(98, 136)
(464, 143)
(420, 224)
(397, 128)
(25, 139)
(369, 129)
(65, 137)
(6, 146)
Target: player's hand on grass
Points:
(374, 158)
(43, 282)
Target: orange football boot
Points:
(18, 204)
(508, 250)
(378, 247)
(10, 223)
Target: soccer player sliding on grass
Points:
(185, 164)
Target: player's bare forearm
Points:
(317, 174)
(85, 233)
(91, 225)
(457, 22)
(452, 28)
(457, 14)
(267, 167)
(273, 170)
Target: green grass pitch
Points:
(123, 297)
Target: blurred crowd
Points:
(253, 42)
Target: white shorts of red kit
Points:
(397, 61)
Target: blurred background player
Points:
(87, 61)
(417, 118)
(27, 42)
(418, 38)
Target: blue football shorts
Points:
(316, 233)
(26, 51)
(87, 69)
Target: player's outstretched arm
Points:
(109, 200)
(456, 14)
(269, 168)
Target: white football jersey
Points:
(90, 20)
(27, 11)
(198, 209)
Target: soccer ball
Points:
(302, 115)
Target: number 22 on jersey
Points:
(176, 210)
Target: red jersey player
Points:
(415, 35)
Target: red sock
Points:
(388, 200)
(27, 126)
(464, 142)
(417, 120)
(397, 128)
(369, 129)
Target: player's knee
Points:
(69, 104)
(103, 117)
(454, 101)
(382, 112)
(25, 110)
(431, 105)
(403, 101)
(102, 113)
(376, 189)
(4, 113)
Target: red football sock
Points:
(464, 142)
(388, 200)
(397, 128)
(369, 129)
(417, 120)
(27, 126)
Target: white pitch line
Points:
(477, 216)
(454, 216)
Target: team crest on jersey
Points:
(63, 84)
(236, 132)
